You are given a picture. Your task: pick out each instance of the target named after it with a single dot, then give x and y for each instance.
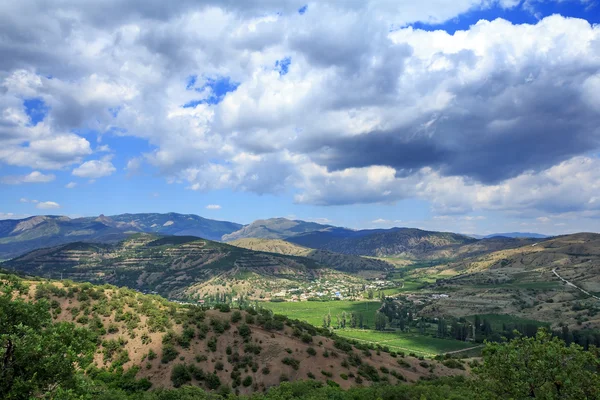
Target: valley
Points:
(403, 290)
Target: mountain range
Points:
(176, 267)
(18, 237)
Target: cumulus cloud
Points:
(95, 169)
(33, 177)
(213, 207)
(367, 109)
(71, 185)
(47, 205)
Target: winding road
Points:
(573, 285)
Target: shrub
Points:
(180, 375)
(151, 355)
(212, 343)
(247, 381)
(311, 351)
(236, 317)
(452, 363)
(169, 353)
(212, 381)
(327, 373)
(292, 362)
(219, 366)
(307, 338)
(266, 371)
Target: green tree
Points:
(541, 367)
(38, 356)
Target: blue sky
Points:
(360, 115)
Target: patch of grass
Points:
(313, 311)
(418, 344)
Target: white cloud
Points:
(213, 207)
(12, 216)
(71, 185)
(33, 177)
(95, 169)
(382, 221)
(47, 205)
(495, 117)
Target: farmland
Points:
(314, 311)
(408, 342)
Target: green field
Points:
(313, 311)
(407, 342)
(496, 320)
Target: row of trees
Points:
(346, 320)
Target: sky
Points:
(472, 116)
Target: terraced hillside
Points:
(20, 236)
(167, 344)
(397, 242)
(174, 266)
(338, 261)
(526, 282)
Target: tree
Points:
(343, 319)
(380, 321)
(541, 367)
(38, 356)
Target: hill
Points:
(396, 242)
(163, 344)
(518, 235)
(20, 236)
(273, 228)
(181, 267)
(340, 262)
(527, 281)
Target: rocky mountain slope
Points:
(20, 236)
(179, 267)
(340, 262)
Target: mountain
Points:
(526, 281)
(179, 267)
(517, 235)
(177, 224)
(396, 242)
(20, 236)
(273, 228)
(340, 262)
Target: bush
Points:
(236, 317)
(454, 364)
(180, 375)
(327, 373)
(212, 381)
(307, 338)
(169, 353)
(151, 355)
(266, 371)
(219, 366)
(244, 331)
(292, 362)
(311, 351)
(212, 344)
(247, 381)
